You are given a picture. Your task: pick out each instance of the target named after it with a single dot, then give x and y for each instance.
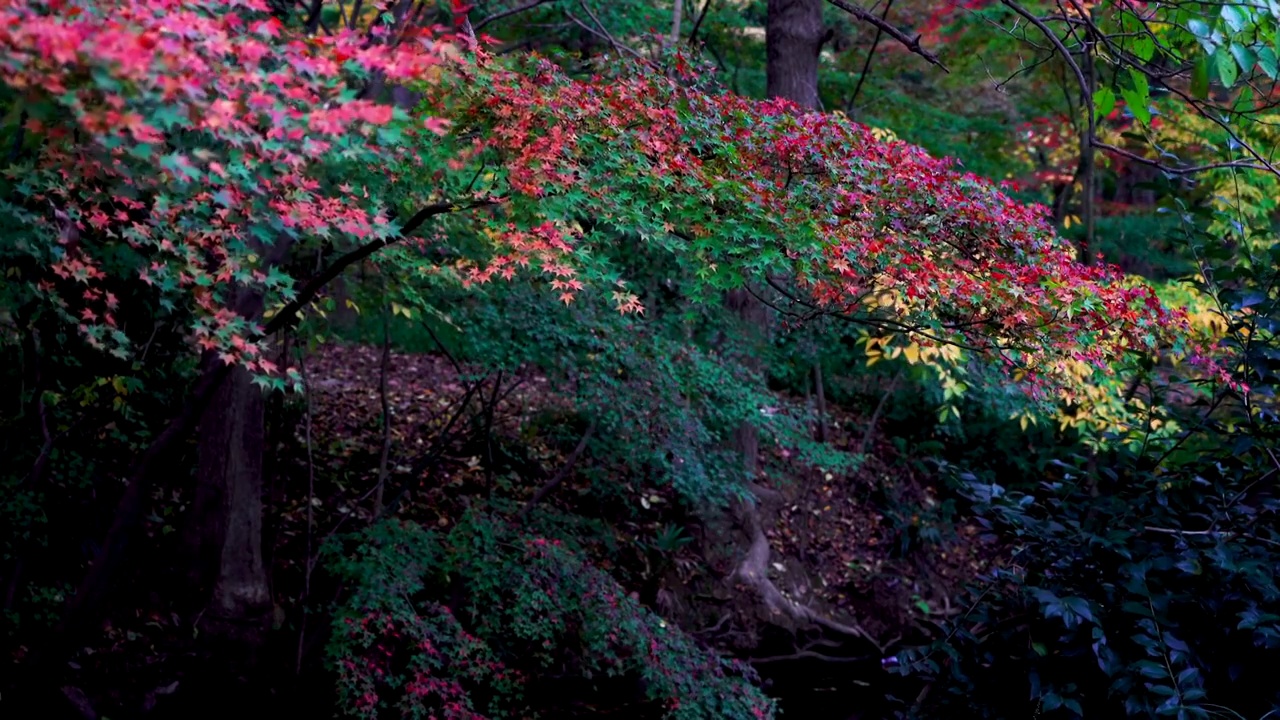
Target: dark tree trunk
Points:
(228, 511)
(793, 40)
(224, 529)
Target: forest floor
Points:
(879, 547)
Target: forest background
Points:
(690, 359)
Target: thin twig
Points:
(603, 32)
(1237, 164)
(866, 65)
(1217, 534)
(311, 494)
(875, 416)
(810, 655)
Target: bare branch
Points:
(1054, 39)
(1234, 164)
(809, 654)
(561, 474)
(1214, 534)
(912, 44)
(508, 13)
(604, 34)
(866, 65)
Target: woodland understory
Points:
(679, 359)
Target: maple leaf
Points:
(267, 28)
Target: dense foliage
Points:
(522, 360)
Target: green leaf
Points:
(1244, 101)
(1138, 98)
(1150, 669)
(1137, 105)
(1200, 79)
(1244, 57)
(1140, 83)
(1203, 34)
(1104, 101)
(1226, 64)
(1144, 48)
(1267, 61)
(1234, 17)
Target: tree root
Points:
(753, 571)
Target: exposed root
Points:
(753, 571)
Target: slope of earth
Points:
(872, 557)
(879, 549)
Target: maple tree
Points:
(255, 180)
(204, 166)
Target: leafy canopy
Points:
(202, 139)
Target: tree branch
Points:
(508, 13)
(866, 65)
(912, 44)
(1055, 40)
(604, 34)
(693, 34)
(1236, 164)
(1215, 534)
(561, 474)
(319, 281)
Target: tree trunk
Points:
(224, 529)
(229, 511)
(793, 40)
